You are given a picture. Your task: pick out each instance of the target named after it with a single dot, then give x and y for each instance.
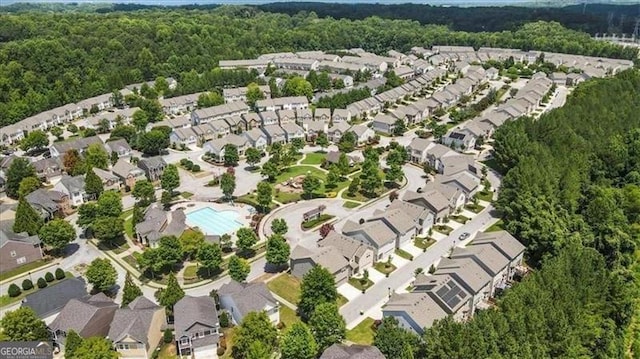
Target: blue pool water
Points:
(213, 222)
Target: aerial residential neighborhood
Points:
(336, 203)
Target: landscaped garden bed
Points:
(423, 243)
(460, 218)
(443, 229)
(361, 283)
(475, 208)
(315, 222)
(385, 267)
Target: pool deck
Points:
(244, 212)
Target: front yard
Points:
(362, 333)
(287, 287)
(498, 226)
(423, 243)
(360, 283)
(475, 208)
(288, 316)
(385, 267)
(459, 218)
(443, 229)
(404, 254)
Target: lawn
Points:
(314, 158)
(131, 260)
(186, 195)
(314, 222)
(191, 274)
(360, 283)
(423, 243)
(342, 300)
(362, 333)
(288, 316)
(358, 196)
(228, 335)
(498, 226)
(29, 267)
(460, 218)
(168, 351)
(286, 197)
(287, 287)
(252, 200)
(128, 227)
(492, 163)
(295, 171)
(350, 204)
(404, 254)
(485, 196)
(117, 247)
(443, 229)
(475, 208)
(384, 267)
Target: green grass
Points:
(362, 333)
(128, 228)
(314, 158)
(384, 267)
(126, 213)
(485, 196)
(295, 171)
(475, 208)
(350, 204)
(404, 254)
(288, 316)
(492, 163)
(460, 218)
(191, 271)
(168, 351)
(287, 287)
(358, 196)
(498, 226)
(342, 300)
(360, 284)
(315, 222)
(252, 200)
(443, 229)
(131, 260)
(287, 197)
(186, 195)
(423, 243)
(29, 267)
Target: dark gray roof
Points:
(6, 235)
(73, 184)
(152, 162)
(194, 310)
(88, 317)
(248, 297)
(49, 300)
(79, 144)
(118, 145)
(135, 321)
(342, 351)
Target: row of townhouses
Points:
(461, 284)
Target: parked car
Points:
(464, 236)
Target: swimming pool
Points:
(214, 222)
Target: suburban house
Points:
(404, 227)
(269, 118)
(384, 123)
(322, 114)
(196, 327)
(304, 115)
(48, 302)
(256, 138)
(180, 104)
(240, 93)
(17, 249)
(287, 116)
(58, 149)
(359, 255)
(119, 146)
(258, 64)
(219, 112)
(172, 122)
(183, 137)
(363, 134)
(274, 134)
(239, 299)
(136, 330)
(432, 200)
(462, 139)
(453, 194)
(375, 234)
(504, 242)
(153, 167)
(292, 131)
(418, 149)
(251, 120)
(414, 311)
(490, 259)
(216, 148)
(471, 277)
(422, 217)
(49, 203)
(334, 157)
(446, 292)
(109, 180)
(314, 128)
(303, 259)
(336, 131)
(340, 115)
(48, 169)
(282, 103)
(354, 351)
(73, 187)
(89, 317)
(465, 181)
(127, 173)
(158, 223)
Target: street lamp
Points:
(31, 279)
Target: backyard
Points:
(287, 287)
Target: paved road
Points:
(397, 279)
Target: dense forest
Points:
(591, 19)
(571, 193)
(51, 58)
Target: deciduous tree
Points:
(28, 185)
(57, 233)
(170, 179)
(231, 156)
(327, 325)
(279, 226)
(254, 156)
(96, 156)
(265, 195)
(101, 274)
(298, 343)
(73, 164)
(255, 328)
(35, 139)
(278, 251)
(318, 286)
(108, 229)
(209, 256)
(228, 184)
(23, 324)
(95, 348)
(247, 238)
(239, 268)
(310, 184)
(144, 192)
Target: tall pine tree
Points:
(27, 219)
(130, 291)
(93, 185)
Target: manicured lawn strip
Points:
(362, 333)
(350, 204)
(314, 222)
(186, 195)
(475, 208)
(29, 267)
(287, 287)
(423, 243)
(443, 229)
(131, 260)
(128, 227)
(342, 300)
(359, 283)
(288, 316)
(384, 267)
(287, 197)
(6, 299)
(252, 200)
(460, 218)
(498, 226)
(404, 254)
(314, 158)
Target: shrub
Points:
(224, 320)
(27, 284)
(168, 336)
(42, 283)
(14, 290)
(49, 277)
(195, 168)
(220, 351)
(184, 161)
(60, 274)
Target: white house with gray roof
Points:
(414, 311)
(196, 327)
(471, 276)
(183, 137)
(293, 131)
(136, 330)
(375, 234)
(239, 299)
(74, 188)
(218, 112)
(359, 255)
(363, 134)
(275, 134)
(119, 146)
(384, 123)
(403, 225)
(432, 200)
(240, 93)
(340, 115)
(283, 103)
(303, 259)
